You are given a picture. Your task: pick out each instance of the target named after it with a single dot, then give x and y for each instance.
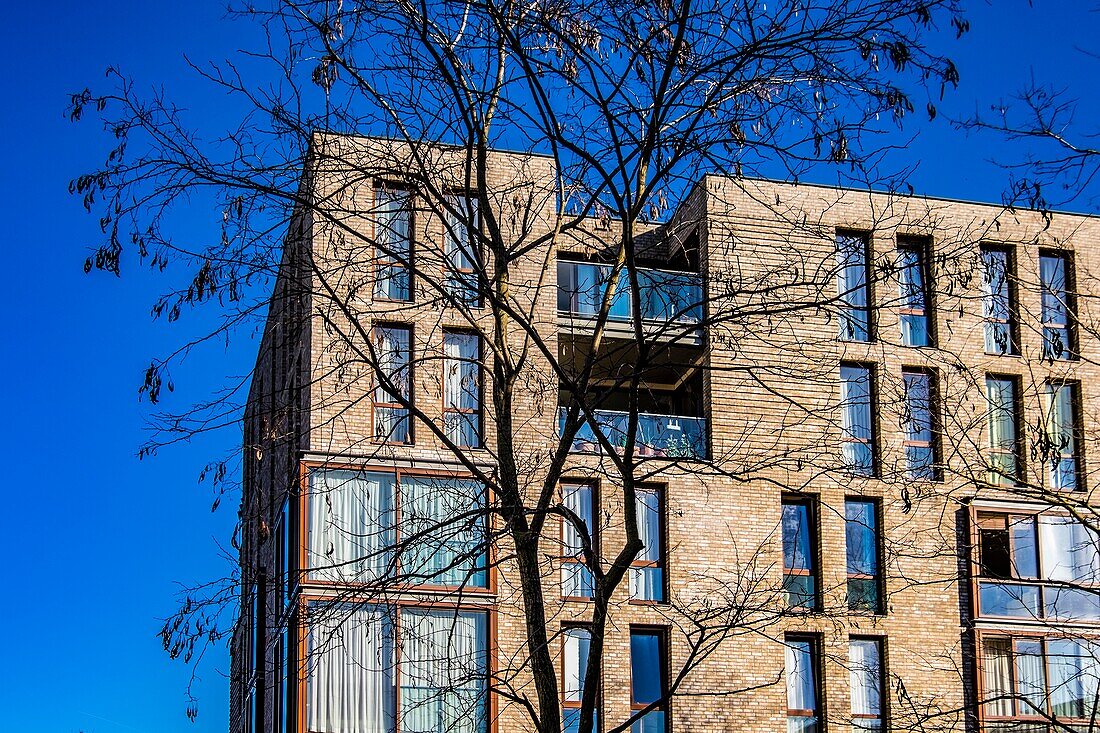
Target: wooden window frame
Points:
(922, 245)
(578, 704)
(1069, 300)
(376, 405)
(662, 705)
(594, 487)
(452, 276)
(1018, 428)
(935, 423)
(867, 261)
(480, 411)
(1012, 324)
(662, 560)
(872, 418)
(383, 260)
(811, 503)
(1078, 448)
(880, 546)
(817, 662)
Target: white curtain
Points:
(350, 525)
(459, 245)
(1030, 676)
(997, 676)
(351, 685)
(1070, 667)
(801, 690)
(575, 646)
(576, 579)
(444, 547)
(865, 673)
(1068, 549)
(392, 235)
(647, 583)
(462, 387)
(443, 668)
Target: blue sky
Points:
(96, 540)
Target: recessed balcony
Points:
(655, 436)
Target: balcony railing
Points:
(1037, 600)
(665, 296)
(659, 436)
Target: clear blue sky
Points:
(96, 540)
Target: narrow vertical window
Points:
(916, 326)
(918, 424)
(647, 574)
(861, 539)
(462, 388)
(1054, 282)
(998, 307)
(1060, 435)
(803, 686)
(799, 557)
(1003, 457)
(576, 642)
(857, 427)
(461, 251)
(648, 680)
(393, 245)
(393, 352)
(443, 672)
(576, 578)
(852, 287)
(865, 672)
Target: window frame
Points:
(578, 704)
(1012, 324)
(934, 444)
(594, 487)
(1068, 300)
(383, 260)
(879, 577)
(883, 696)
(480, 361)
(811, 503)
(992, 478)
(872, 419)
(866, 261)
(818, 668)
(662, 704)
(410, 366)
(922, 246)
(662, 560)
(458, 200)
(1077, 449)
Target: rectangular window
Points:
(444, 672)
(462, 388)
(918, 423)
(913, 282)
(576, 641)
(393, 245)
(1003, 454)
(393, 353)
(462, 252)
(852, 253)
(802, 665)
(861, 538)
(857, 427)
(865, 673)
(1061, 437)
(443, 519)
(647, 574)
(1035, 678)
(799, 553)
(576, 578)
(648, 680)
(1057, 314)
(351, 525)
(998, 301)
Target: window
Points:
(1003, 456)
(799, 556)
(647, 576)
(1054, 281)
(803, 686)
(857, 428)
(361, 681)
(1036, 678)
(393, 352)
(576, 642)
(865, 672)
(913, 280)
(998, 301)
(393, 245)
(576, 578)
(648, 680)
(1037, 566)
(1060, 436)
(353, 529)
(461, 251)
(462, 388)
(852, 252)
(861, 539)
(921, 448)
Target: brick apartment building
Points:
(863, 435)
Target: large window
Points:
(647, 572)
(648, 679)
(1061, 437)
(1003, 455)
(865, 674)
(462, 253)
(462, 388)
(913, 280)
(353, 528)
(1057, 312)
(861, 539)
(361, 681)
(1044, 566)
(1032, 678)
(918, 422)
(857, 425)
(393, 245)
(393, 352)
(852, 252)
(576, 578)
(799, 553)
(998, 301)
(576, 642)
(802, 663)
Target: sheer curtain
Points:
(576, 643)
(444, 547)
(462, 387)
(443, 671)
(1031, 682)
(350, 525)
(801, 688)
(865, 674)
(351, 662)
(647, 583)
(997, 676)
(576, 579)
